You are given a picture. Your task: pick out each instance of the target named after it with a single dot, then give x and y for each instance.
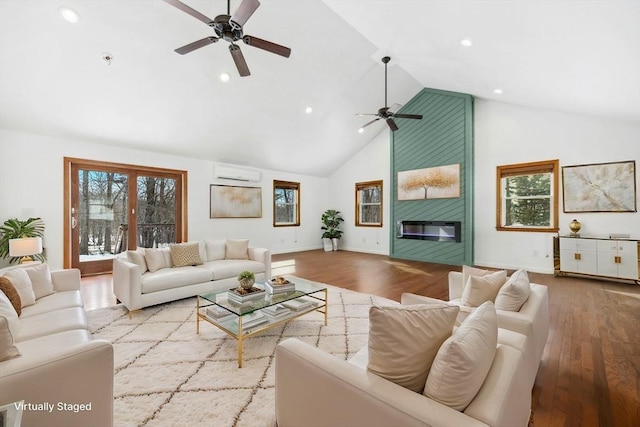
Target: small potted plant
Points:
(246, 279)
(331, 220)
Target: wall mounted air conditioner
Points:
(235, 173)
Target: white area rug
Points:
(167, 375)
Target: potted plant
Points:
(331, 220)
(246, 279)
(16, 229)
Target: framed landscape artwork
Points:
(600, 187)
(439, 182)
(227, 201)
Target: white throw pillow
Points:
(480, 289)
(22, 283)
(8, 312)
(237, 249)
(157, 258)
(40, 280)
(7, 349)
(404, 339)
(138, 258)
(215, 249)
(515, 292)
(472, 271)
(463, 362)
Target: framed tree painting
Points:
(600, 187)
(227, 201)
(439, 182)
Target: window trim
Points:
(361, 186)
(290, 185)
(546, 166)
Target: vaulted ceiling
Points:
(573, 56)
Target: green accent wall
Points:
(444, 136)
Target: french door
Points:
(110, 208)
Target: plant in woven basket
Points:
(246, 279)
(16, 229)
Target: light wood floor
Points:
(590, 370)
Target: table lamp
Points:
(25, 247)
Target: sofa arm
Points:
(127, 283)
(264, 256)
(80, 375)
(66, 280)
(455, 285)
(314, 388)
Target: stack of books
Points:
(218, 314)
(254, 293)
(276, 312)
(298, 304)
(252, 319)
(275, 287)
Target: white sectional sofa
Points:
(140, 280)
(63, 376)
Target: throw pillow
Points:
(215, 249)
(403, 340)
(8, 312)
(41, 280)
(21, 281)
(137, 257)
(10, 291)
(480, 289)
(515, 292)
(463, 362)
(183, 254)
(157, 259)
(237, 249)
(7, 349)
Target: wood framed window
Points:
(286, 203)
(527, 197)
(369, 204)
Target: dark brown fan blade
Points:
(243, 13)
(238, 58)
(183, 7)
(371, 122)
(196, 45)
(392, 124)
(408, 116)
(267, 45)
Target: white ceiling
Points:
(573, 56)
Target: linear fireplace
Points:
(442, 231)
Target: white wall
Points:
(369, 164)
(31, 184)
(507, 134)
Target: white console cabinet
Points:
(618, 259)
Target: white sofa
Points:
(59, 365)
(314, 388)
(137, 287)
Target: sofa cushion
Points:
(514, 293)
(184, 254)
(157, 259)
(227, 268)
(137, 257)
(403, 341)
(216, 249)
(55, 301)
(480, 289)
(7, 349)
(237, 249)
(21, 281)
(65, 319)
(463, 362)
(12, 294)
(169, 278)
(40, 280)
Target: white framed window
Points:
(369, 204)
(286, 203)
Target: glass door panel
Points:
(155, 211)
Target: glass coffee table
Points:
(245, 319)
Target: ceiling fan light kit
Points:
(230, 29)
(388, 113)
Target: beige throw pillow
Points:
(7, 349)
(463, 362)
(237, 249)
(514, 293)
(40, 280)
(12, 295)
(157, 259)
(137, 257)
(215, 249)
(21, 281)
(472, 271)
(8, 312)
(404, 339)
(480, 289)
(184, 254)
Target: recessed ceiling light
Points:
(360, 130)
(497, 91)
(466, 42)
(224, 77)
(308, 110)
(68, 14)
